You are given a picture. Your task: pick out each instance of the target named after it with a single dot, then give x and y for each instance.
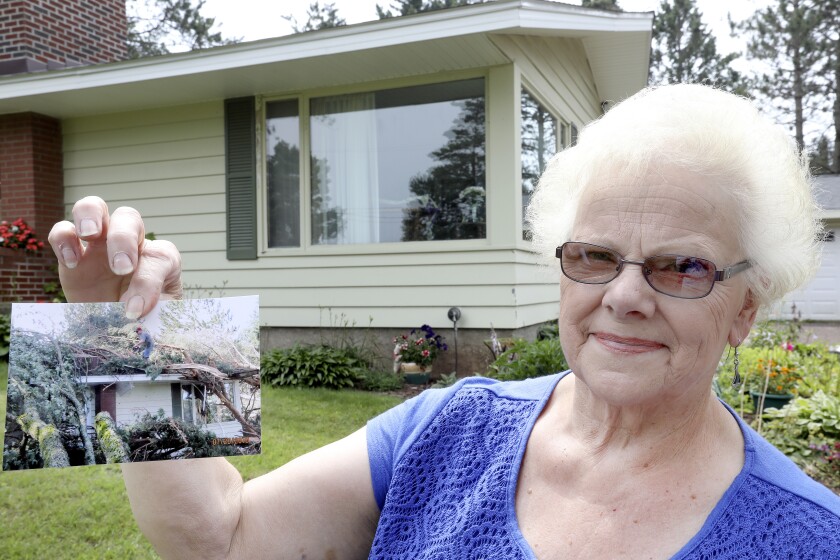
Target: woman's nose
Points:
(629, 294)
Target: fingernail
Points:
(134, 307)
(88, 227)
(122, 264)
(69, 256)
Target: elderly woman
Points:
(678, 215)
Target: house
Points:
(373, 174)
(819, 300)
(127, 397)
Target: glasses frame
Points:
(719, 276)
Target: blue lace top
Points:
(445, 467)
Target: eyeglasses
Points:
(672, 275)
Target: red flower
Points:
(19, 236)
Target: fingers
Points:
(124, 235)
(106, 257)
(65, 244)
(158, 274)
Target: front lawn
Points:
(83, 512)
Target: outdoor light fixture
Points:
(454, 314)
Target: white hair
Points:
(710, 133)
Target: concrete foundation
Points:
(473, 355)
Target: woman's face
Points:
(627, 342)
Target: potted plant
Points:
(774, 377)
(415, 352)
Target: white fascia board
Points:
(515, 16)
(129, 378)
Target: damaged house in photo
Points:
(89, 386)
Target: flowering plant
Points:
(777, 369)
(18, 235)
(420, 346)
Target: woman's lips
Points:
(627, 345)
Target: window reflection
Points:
(405, 164)
(539, 143)
(283, 173)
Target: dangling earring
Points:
(736, 379)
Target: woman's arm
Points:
(320, 505)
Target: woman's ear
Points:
(744, 320)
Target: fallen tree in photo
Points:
(110, 441)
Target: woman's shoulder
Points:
(793, 486)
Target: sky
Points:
(260, 19)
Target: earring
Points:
(736, 379)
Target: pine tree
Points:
(318, 17)
(684, 50)
(410, 7)
(155, 27)
(609, 5)
(451, 196)
(784, 37)
(828, 39)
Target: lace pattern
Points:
(449, 494)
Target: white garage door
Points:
(819, 300)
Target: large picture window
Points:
(404, 164)
(540, 141)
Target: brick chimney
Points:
(49, 34)
(38, 35)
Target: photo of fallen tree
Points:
(89, 386)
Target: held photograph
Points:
(89, 386)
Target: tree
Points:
(450, 196)
(410, 7)
(609, 5)
(155, 27)
(684, 50)
(828, 39)
(784, 37)
(318, 17)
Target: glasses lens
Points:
(684, 277)
(589, 264)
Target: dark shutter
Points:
(241, 178)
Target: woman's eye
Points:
(691, 267)
(600, 256)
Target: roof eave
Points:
(537, 17)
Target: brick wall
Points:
(32, 188)
(31, 175)
(56, 33)
(23, 275)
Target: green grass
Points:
(83, 512)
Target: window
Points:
(283, 173)
(539, 142)
(394, 165)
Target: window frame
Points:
(307, 248)
(563, 141)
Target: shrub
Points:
(550, 329)
(313, 366)
(808, 430)
(380, 381)
(523, 360)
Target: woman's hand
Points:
(116, 262)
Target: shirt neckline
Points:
(708, 524)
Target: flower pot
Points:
(415, 374)
(770, 401)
